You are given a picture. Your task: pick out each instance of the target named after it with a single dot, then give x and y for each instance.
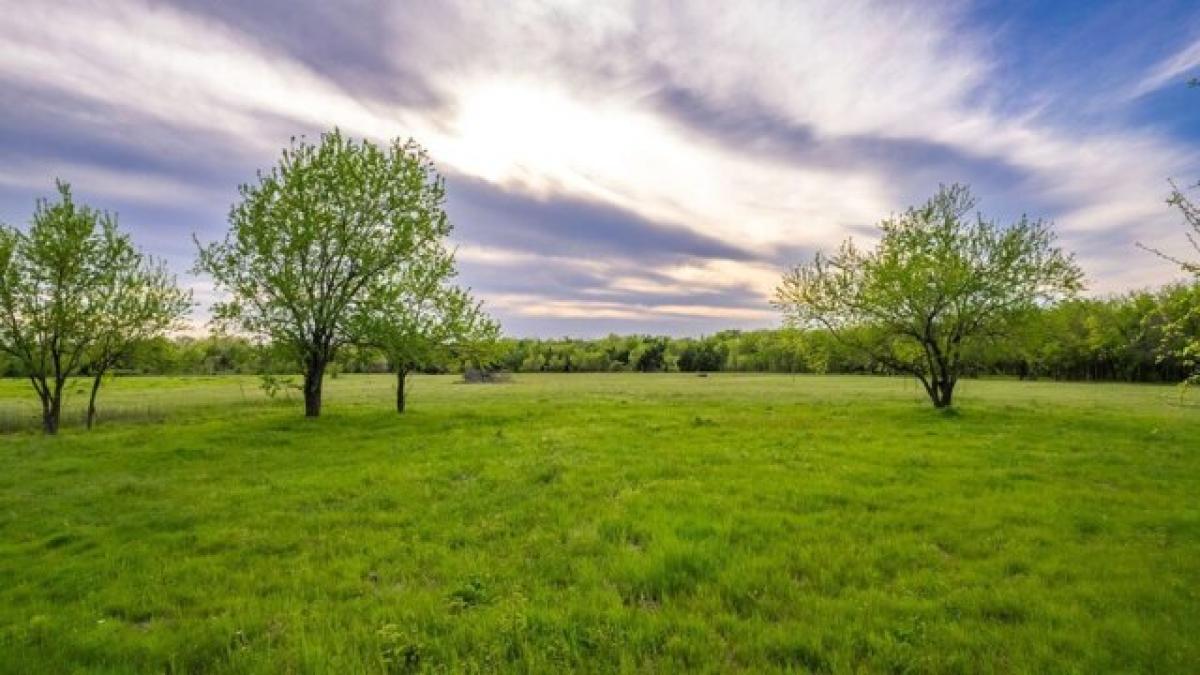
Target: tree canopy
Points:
(1181, 338)
(143, 301)
(939, 281)
(75, 293)
(311, 235)
(418, 319)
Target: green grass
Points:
(604, 523)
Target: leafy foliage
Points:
(75, 294)
(1115, 338)
(309, 238)
(938, 283)
(700, 356)
(418, 320)
(273, 385)
(1181, 338)
(650, 356)
(143, 302)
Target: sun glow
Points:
(550, 142)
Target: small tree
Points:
(307, 240)
(702, 356)
(651, 355)
(1180, 339)
(417, 320)
(938, 281)
(142, 302)
(57, 282)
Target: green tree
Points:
(939, 281)
(700, 356)
(142, 302)
(310, 236)
(419, 321)
(1181, 339)
(650, 354)
(57, 286)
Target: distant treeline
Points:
(1119, 338)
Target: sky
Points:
(622, 166)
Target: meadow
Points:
(603, 523)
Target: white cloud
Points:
(515, 259)
(559, 99)
(532, 305)
(1173, 69)
(172, 65)
(536, 138)
(565, 91)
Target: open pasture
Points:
(603, 523)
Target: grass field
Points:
(604, 523)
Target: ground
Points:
(603, 523)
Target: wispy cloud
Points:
(111, 182)
(615, 160)
(1176, 69)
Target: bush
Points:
(481, 376)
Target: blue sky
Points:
(623, 166)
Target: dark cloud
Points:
(750, 129)
(487, 215)
(1005, 191)
(583, 327)
(51, 127)
(559, 279)
(351, 42)
(165, 231)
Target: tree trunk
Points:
(943, 393)
(49, 425)
(401, 375)
(52, 410)
(939, 389)
(91, 410)
(312, 387)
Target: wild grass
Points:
(605, 523)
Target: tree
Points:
(1191, 217)
(308, 239)
(57, 282)
(418, 320)
(1180, 338)
(700, 356)
(938, 282)
(1177, 320)
(142, 302)
(650, 355)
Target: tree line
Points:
(1131, 337)
(337, 259)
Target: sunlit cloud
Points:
(773, 129)
(493, 255)
(532, 139)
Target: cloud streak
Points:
(644, 164)
(1178, 67)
